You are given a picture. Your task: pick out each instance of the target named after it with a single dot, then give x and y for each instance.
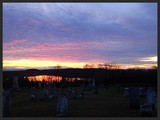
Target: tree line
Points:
(99, 75)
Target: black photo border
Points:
(82, 118)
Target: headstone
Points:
(93, 83)
(79, 95)
(148, 108)
(74, 94)
(47, 93)
(65, 104)
(51, 96)
(134, 102)
(84, 92)
(82, 95)
(83, 85)
(54, 95)
(6, 103)
(43, 95)
(32, 95)
(151, 96)
(62, 107)
(89, 86)
(142, 91)
(126, 92)
(39, 85)
(15, 83)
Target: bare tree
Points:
(58, 67)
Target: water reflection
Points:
(47, 78)
(51, 78)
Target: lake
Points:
(50, 78)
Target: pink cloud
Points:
(14, 46)
(14, 42)
(62, 52)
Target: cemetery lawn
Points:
(107, 103)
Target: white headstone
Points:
(65, 105)
(62, 106)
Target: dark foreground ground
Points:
(107, 103)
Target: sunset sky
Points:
(44, 35)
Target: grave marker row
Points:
(141, 92)
(134, 102)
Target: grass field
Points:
(107, 103)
